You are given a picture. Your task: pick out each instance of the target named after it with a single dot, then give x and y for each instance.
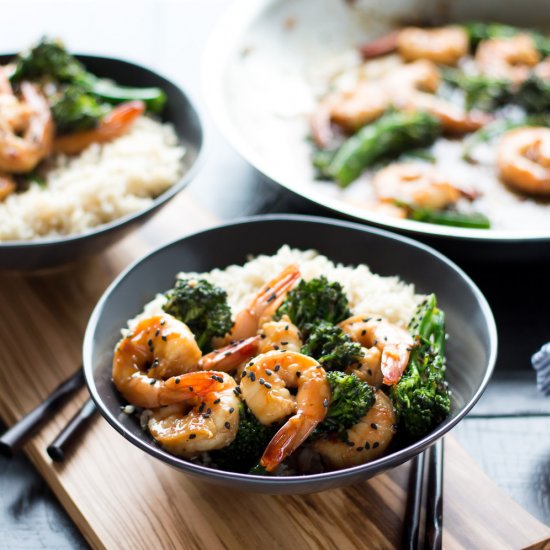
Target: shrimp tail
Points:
(395, 358)
(230, 357)
(294, 432)
(113, 125)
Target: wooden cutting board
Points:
(121, 498)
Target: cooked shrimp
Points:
(394, 343)
(32, 119)
(368, 368)
(158, 349)
(443, 45)
(117, 123)
(523, 160)
(7, 186)
(417, 185)
(264, 304)
(230, 357)
(511, 58)
(408, 87)
(264, 386)
(366, 440)
(279, 335)
(206, 420)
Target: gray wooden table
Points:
(508, 432)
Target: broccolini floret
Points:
(350, 401)
(331, 346)
(314, 301)
(74, 110)
(421, 398)
(50, 60)
(249, 445)
(202, 306)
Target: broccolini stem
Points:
(473, 220)
(258, 470)
(154, 98)
(389, 136)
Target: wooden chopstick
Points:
(58, 448)
(433, 532)
(16, 436)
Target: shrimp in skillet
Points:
(523, 160)
(157, 350)
(511, 58)
(264, 387)
(417, 185)
(394, 343)
(366, 440)
(205, 420)
(442, 45)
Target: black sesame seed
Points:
(157, 332)
(227, 353)
(217, 401)
(374, 426)
(267, 385)
(284, 343)
(369, 371)
(252, 377)
(367, 445)
(286, 327)
(275, 347)
(206, 415)
(268, 372)
(350, 443)
(359, 449)
(277, 367)
(192, 436)
(238, 389)
(152, 383)
(272, 297)
(325, 403)
(164, 338)
(363, 332)
(162, 322)
(227, 425)
(262, 381)
(375, 444)
(231, 410)
(262, 336)
(177, 381)
(298, 374)
(379, 319)
(244, 374)
(208, 411)
(202, 407)
(375, 342)
(150, 343)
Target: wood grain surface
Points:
(121, 498)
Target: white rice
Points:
(367, 292)
(101, 184)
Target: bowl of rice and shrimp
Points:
(116, 148)
(384, 274)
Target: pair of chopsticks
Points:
(433, 531)
(15, 437)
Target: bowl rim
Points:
(387, 461)
(225, 37)
(189, 174)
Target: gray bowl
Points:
(179, 111)
(471, 347)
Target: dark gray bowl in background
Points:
(52, 251)
(471, 347)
